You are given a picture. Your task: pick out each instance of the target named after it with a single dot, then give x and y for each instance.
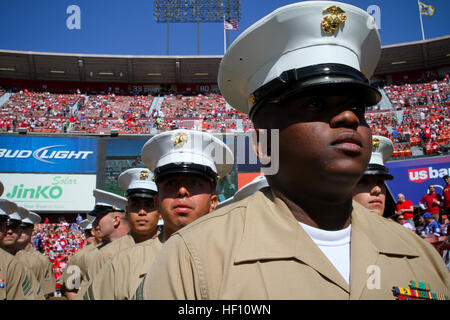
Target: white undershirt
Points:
(335, 245)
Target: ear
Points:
(116, 220)
(214, 202)
(260, 143)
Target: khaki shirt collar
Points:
(367, 225)
(271, 232)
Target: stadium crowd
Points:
(58, 241)
(420, 116)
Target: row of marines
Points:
(25, 273)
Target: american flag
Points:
(231, 24)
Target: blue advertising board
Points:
(47, 154)
(412, 177)
(127, 147)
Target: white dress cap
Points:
(32, 218)
(19, 214)
(86, 224)
(247, 190)
(187, 151)
(108, 199)
(138, 181)
(382, 149)
(300, 36)
(7, 207)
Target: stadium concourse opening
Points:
(107, 117)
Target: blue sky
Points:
(128, 27)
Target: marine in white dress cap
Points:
(138, 182)
(187, 151)
(107, 202)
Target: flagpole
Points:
(224, 37)
(421, 22)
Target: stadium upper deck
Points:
(98, 72)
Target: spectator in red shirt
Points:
(405, 208)
(431, 202)
(446, 196)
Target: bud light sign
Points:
(412, 177)
(48, 154)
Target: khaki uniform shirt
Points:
(41, 267)
(17, 282)
(256, 249)
(120, 277)
(103, 255)
(107, 252)
(72, 276)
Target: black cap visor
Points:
(185, 168)
(100, 210)
(141, 193)
(378, 170)
(319, 79)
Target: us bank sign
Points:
(47, 154)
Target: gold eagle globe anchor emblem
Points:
(144, 175)
(375, 144)
(180, 139)
(334, 20)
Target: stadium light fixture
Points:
(7, 69)
(57, 71)
(399, 62)
(154, 74)
(106, 73)
(201, 73)
(170, 11)
(196, 10)
(447, 55)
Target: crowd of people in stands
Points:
(425, 116)
(58, 241)
(423, 109)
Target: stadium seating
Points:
(420, 118)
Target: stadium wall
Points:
(139, 88)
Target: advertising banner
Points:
(48, 154)
(50, 192)
(412, 177)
